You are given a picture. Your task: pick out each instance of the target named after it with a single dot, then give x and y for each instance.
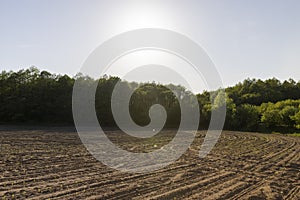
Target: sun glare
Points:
(143, 14)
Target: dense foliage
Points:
(33, 96)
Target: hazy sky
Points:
(257, 38)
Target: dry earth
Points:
(54, 164)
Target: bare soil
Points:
(53, 164)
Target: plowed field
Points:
(55, 165)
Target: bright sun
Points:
(144, 14)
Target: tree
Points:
(247, 117)
(286, 115)
(296, 119)
(270, 116)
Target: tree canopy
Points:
(34, 96)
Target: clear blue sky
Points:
(257, 38)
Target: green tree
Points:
(296, 119)
(247, 117)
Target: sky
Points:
(245, 39)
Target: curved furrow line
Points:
(180, 191)
(247, 190)
(267, 161)
(293, 194)
(94, 182)
(272, 161)
(28, 177)
(150, 182)
(218, 189)
(53, 175)
(189, 181)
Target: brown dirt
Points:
(55, 165)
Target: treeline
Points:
(32, 96)
(270, 105)
(256, 105)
